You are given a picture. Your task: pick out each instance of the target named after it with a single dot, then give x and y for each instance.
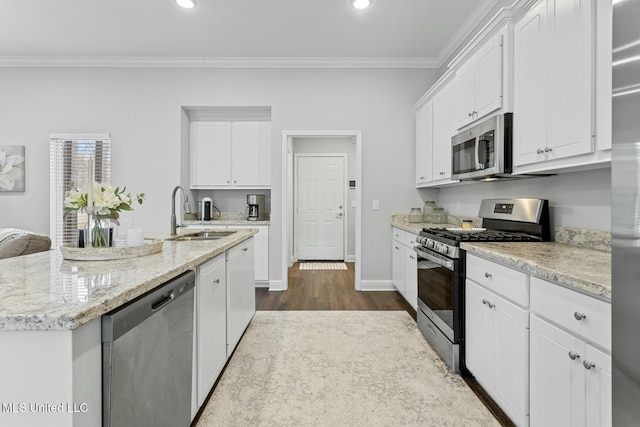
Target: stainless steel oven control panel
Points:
(450, 251)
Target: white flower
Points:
(106, 202)
(73, 199)
(10, 169)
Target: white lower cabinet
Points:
(497, 349)
(405, 265)
(540, 350)
(411, 278)
(397, 269)
(224, 304)
(261, 246)
(211, 309)
(261, 242)
(570, 379)
(570, 357)
(241, 297)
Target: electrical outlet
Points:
(376, 205)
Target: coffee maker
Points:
(256, 207)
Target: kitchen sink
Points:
(203, 235)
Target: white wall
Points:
(141, 108)
(576, 199)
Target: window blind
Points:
(68, 156)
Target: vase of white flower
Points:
(102, 204)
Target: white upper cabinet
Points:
(479, 83)
(435, 125)
(210, 154)
(443, 130)
(424, 144)
(555, 86)
(250, 154)
(230, 155)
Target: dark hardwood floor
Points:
(335, 290)
(328, 290)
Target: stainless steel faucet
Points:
(186, 208)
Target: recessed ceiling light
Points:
(187, 4)
(361, 4)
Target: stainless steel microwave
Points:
(484, 150)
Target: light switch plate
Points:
(376, 205)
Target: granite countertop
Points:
(583, 269)
(44, 292)
(402, 222)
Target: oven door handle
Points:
(443, 262)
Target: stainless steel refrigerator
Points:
(625, 205)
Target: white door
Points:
(320, 209)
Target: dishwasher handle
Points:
(166, 299)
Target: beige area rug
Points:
(323, 266)
(339, 368)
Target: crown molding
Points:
(465, 30)
(222, 62)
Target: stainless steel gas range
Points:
(441, 267)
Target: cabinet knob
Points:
(215, 282)
(547, 149)
(422, 177)
(411, 256)
(469, 114)
(539, 151)
(488, 275)
(588, 365)
(475, 113)
(573, 355)
(579, 316)
(245, 249)
(397, 248)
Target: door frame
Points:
(287, 138)
(295, 218)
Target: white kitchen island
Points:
(50, 326)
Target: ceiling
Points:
(424, 31)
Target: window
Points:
(69, 155)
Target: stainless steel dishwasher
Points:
(147, 350)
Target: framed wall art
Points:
(12, 173)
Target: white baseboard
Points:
(276, 285)
(262, 284)
(376, 285)
(350, 258)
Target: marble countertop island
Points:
(583, 269)
(44, 292)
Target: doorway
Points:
(293, 141)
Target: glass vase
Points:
(98, 232)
